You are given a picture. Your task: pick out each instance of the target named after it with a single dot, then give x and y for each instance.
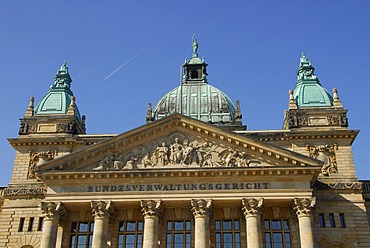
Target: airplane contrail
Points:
(128, 61)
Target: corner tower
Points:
(56, 112)
(195, 98)
(311, 105)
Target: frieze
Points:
(178, 152)
(325, 153)
(37, 158)
(295, 120)
(25, 191)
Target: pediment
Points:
(176, 142)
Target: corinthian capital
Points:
(200, 207)
(150, 207)
(252, 206)
(102, 209)
(303, 206)
(52, 210)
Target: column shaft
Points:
(252, 210)
(303, 207)
(305, 232)
(49, 233)
(151, 211)
(52, 211)
(100, 233)
(102, 212)
(150, 232)
(201, 209)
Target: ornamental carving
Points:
(178, 152)
(200, 207)
(303, 206)
(350, 186)
(333, 120)
(150, 208)
(252, 206)
(25, 191)
(102, 209)
(26, 128)
(53, 210)
(325, 153)
(302, 121)
(37, 158)
(65, 127)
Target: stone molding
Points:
(303, 206)
(201, 207)
(325, 153)
(37, 158)
(102, 209)
(53, 210)
(150, 208)
(252, 206)
(340, 185)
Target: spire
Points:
(62, 79)
(336, 101)
(306, 70)
(30, 109)
(292, 103)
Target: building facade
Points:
(192, 176)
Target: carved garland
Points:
(325, 153)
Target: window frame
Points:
(137, 233)
(221, 231)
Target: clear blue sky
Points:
(252, 48)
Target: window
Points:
(322, 220)
(342, 221)
(227, 233)
(40, 224)
(21, 224)
(130, 234)
(178, 234)
(332, 220)
(30, 224)
(81, 234)
(277, 234)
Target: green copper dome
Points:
(195, 97)
(59, 96)
(308, 91)
(200, 101)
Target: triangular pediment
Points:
(176, 142)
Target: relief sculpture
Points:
(177, 152)
(325, 153)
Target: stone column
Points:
(101, 211)
(53, 212)
(302, 207)
(151, 212)
(252, 209)
(201, 212)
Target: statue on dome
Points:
(195, 47)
